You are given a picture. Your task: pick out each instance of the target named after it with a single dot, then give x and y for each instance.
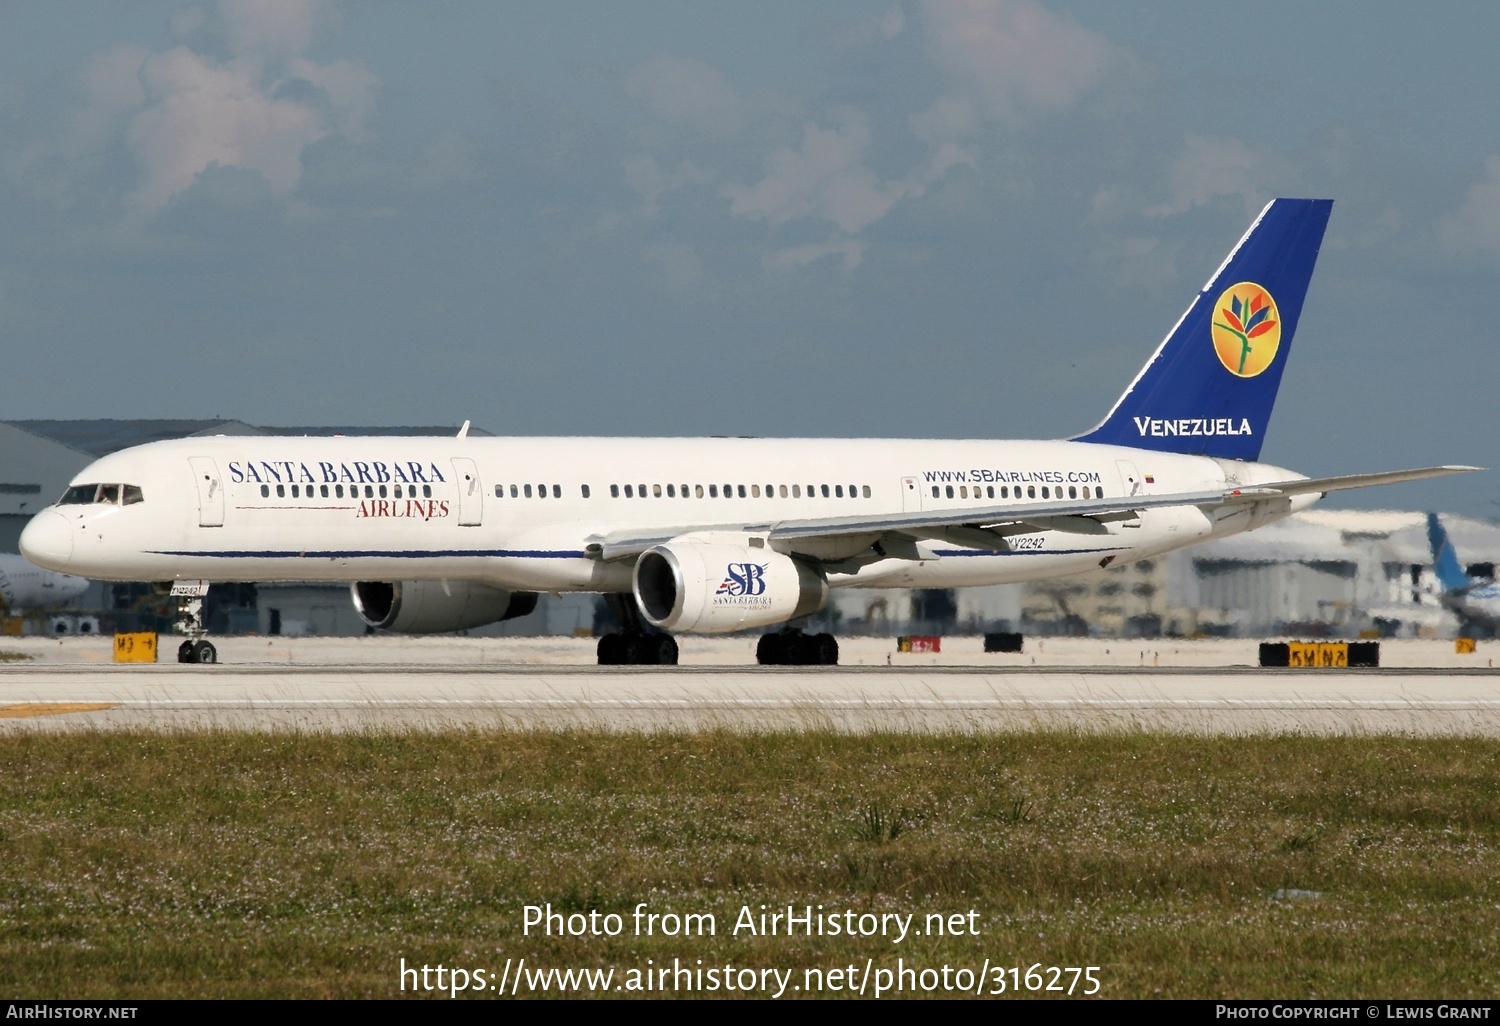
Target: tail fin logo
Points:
(1246, 329)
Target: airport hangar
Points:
(1337, 573)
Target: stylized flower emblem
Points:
(1246, 329)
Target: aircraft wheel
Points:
(664, 647)
(187, 652)
(825, 650)
(769, 651)
(205, 653)
(611, 650)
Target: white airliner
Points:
(1476, 602)
(24, 586)
(714, 535)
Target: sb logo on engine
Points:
(743, 579)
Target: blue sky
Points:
(946, 218)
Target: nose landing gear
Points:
(189, 596)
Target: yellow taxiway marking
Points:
(25, 709)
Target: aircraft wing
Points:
(1082, 516)
(1304, 485)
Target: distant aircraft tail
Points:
(1209, 388)
(1444, 557)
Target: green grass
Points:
(234, 864)
(13, 657)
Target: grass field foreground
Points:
(297, 865)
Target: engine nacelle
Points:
(434, 607)
(718, 588)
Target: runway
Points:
(66, 697)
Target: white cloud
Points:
(1007, 61)
(824, 178)
(1475, 225)
(649, 181)
(1211, 167)
(850, 251)
(681, 265)
(688, 93)
(182, 112)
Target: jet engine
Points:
(433, 607)
(715, 588)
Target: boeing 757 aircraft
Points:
(714, 535)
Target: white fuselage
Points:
(523, 513)
(24, 586)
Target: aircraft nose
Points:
(48, 541)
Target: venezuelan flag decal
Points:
(1246, 329)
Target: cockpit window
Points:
(79, 495)
(112, 494)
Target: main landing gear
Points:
(794, 648)
(635, 645)
(189, 596)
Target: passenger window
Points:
(1005, 491)
(629, 491)
(796, 491)
(527, 491)
(296, 496)
(934, 491)
(1031, 491)
(755, 491)
(783, 491)
(838, 491)
(585, 489)
(963, 491)
(713, 491)
(382, 491)
(1098, 493)
(741, 489)
(396, 491)
(729, 491)
(557, 491)
(948, 491)
(684, 490)
(866, 491)
(851, 491)
(265, 491)
(427, 491)
(989, 491)
(369, 491)
(338, 491)
(614, 491)
(499, 491)
(281, 491)
(324, 490)
(825, 491)
(656, 491)
(698, 491)
(640, 490)
(671, 491)
(132, 495)
(1072, 492)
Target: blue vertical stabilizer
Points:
(1444, 558)
(1208, 390)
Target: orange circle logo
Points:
(1246, 329)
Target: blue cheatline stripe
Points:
(1026, 552)
(378, 553)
